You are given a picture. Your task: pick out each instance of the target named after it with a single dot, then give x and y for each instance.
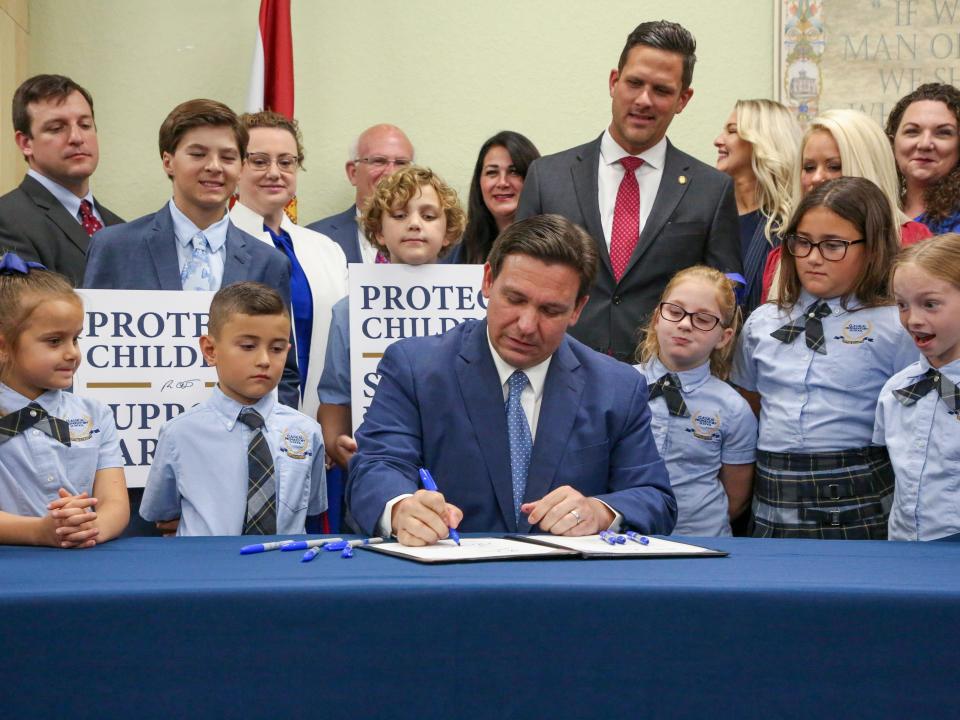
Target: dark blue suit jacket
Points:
(440, 405)
(342, 229)
(142, 255)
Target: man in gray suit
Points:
(50, 217)
(651, 209)
(379, 151)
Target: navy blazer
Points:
(142, 255)
(342, 229)
(440, 405)
(693, 220)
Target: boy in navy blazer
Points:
(190, 242)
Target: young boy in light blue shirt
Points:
(239, 462)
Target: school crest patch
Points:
(856, 332)
(295, 444)
(81, 428)
(705, 426)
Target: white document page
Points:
(470, 549)
(593, 545)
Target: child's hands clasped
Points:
(73, 522)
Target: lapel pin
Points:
(682, 179)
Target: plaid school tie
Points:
(811, 326)
(521, 442)
(669, 387)
(34, 416)
(931, 379)
(262, 491)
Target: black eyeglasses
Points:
(833, 249)
(700, 320)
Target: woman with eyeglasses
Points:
(318, 268)
(923, 127)
(813, 364)
(494, 192)
(845, 143)
(757, 148)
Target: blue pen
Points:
(304, 544)
(311, 553)
(264, 547)
(428, 484)
(638, 538)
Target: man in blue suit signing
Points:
(190, 243)
(524, 428)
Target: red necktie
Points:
(626, 218)
(88, 219)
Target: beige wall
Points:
(451, 73)
(14, 35)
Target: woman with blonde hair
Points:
(757, 148)
(847, 143)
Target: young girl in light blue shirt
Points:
(917, 416)
(815, 362)
(61, 470)
(705, 431)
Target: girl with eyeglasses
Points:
(705, 432)
(813, 364)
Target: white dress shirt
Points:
(610, 173)
(66, 198)
(367, 250)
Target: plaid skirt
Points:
(843, 495)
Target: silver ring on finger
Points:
(576, 516)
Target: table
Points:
(186, 627)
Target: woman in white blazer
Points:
(318, 277)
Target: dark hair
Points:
(941, 199)
(552, 239)
(481, 227)
(664, 35)
(862, 204)
(200, 113)
(247, 298)
(271, 119)
(42, 87)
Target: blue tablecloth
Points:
(170, 628)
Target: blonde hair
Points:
(20, 295)
(398, 189)
(938, 256)
(774, 136)
(720, 358)
(864, 152)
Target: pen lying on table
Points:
(344, 545)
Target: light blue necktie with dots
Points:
(197, 273)
(521, 443)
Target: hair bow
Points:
(12, 263)
(739, 286)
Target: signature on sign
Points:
(179, 384)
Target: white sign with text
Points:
(392, 302)
(141, 357)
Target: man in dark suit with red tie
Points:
(651, 209)
(51, 216)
